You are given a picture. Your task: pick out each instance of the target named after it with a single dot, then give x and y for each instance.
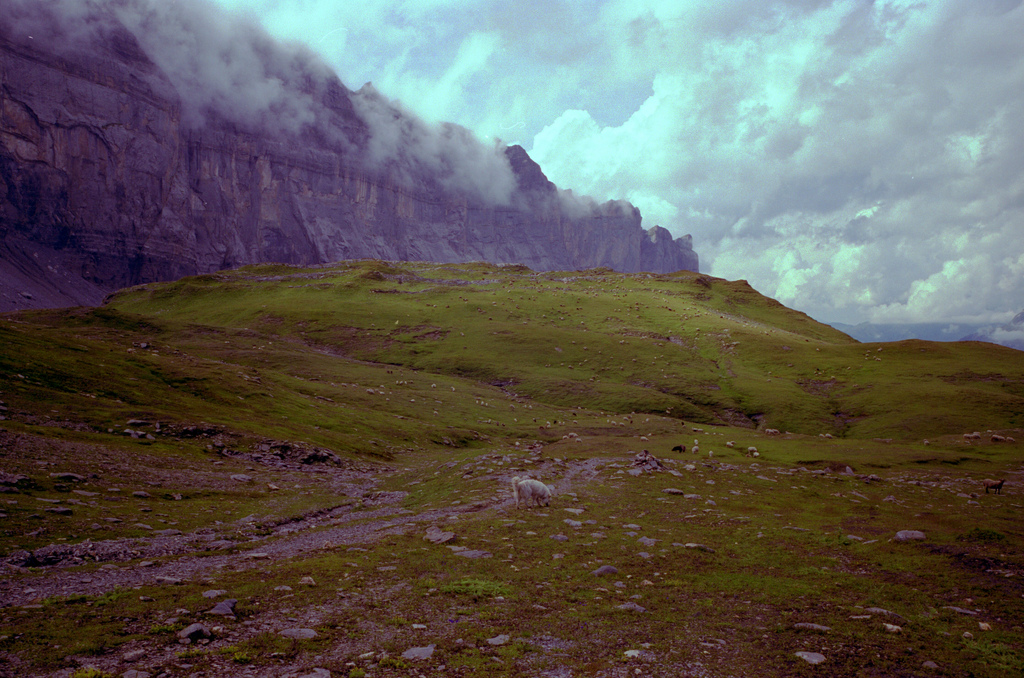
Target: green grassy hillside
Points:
(272, 405)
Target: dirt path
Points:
(199, 555)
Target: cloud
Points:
(226, 67)
(854, 160)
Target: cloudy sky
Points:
(859, 161)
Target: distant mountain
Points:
(145, 141)
(1010, 334)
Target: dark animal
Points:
(679, 448)
(996, 485)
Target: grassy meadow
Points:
(287, 436)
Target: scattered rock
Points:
(241, 478)
(699, 547)
(225, 607)
(811, 657)
(307, 581)
(909, 535)
(419, 652)
(214, 593)
(499, 640)
(298, 634)
(469, 553)
(605, 569)
(960, 610)
(929, 664)
(194, 632)
(892, 628)
(670, 490)
(631, 606)
(811, 627)
(436, 535)
(141, 494)
(133, 655)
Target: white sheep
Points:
(695, 449)
(730, 444)
(527, 489)
(751, 451)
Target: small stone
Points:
(133, 655)
(984, 626)
(438, 536)
(170, 532)
(605, 569)
(214, 593)
(668, 490)
(498, 640)
(307, 581)
(909, 535)
(194, 632)
(811, 657)
(134, 673)
(317, 673)
(631, 606)
(419, 652)
(892, 628)
(168, 580)
(298, 634)
(141, 494)
(473, 554)
(929, 665)
(811, 627)
(699, 547)
(632, 654)
(241, 478)
(225, 607)
(968, 635)
(960, 610)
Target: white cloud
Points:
(859, 160)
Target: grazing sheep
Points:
(679, 448)
(996, 485)
(526, 489)
(771, 431)
(695, 449)
(972, 436)
(996, 438)
(751, 451)
(730, 444)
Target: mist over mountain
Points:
(142, 140)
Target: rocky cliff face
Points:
(110, 176)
